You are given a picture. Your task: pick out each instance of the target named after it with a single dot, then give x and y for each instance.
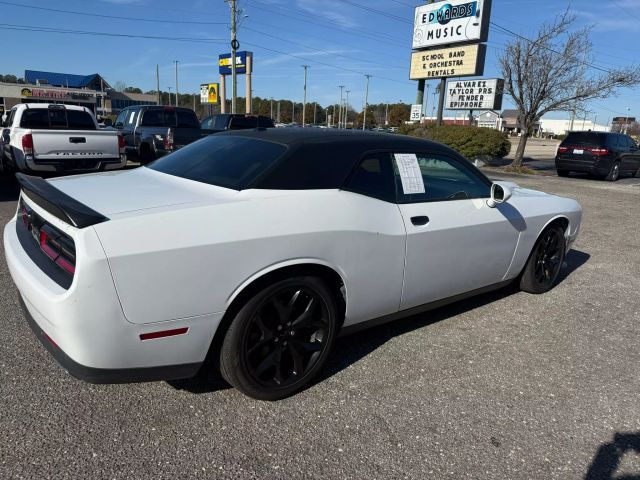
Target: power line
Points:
(99, 15)
(379, 12)
(30, 28)
(322, 51)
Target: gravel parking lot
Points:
(506, 385)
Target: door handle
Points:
(420, 221)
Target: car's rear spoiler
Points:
(58, 203)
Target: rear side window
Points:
(585, 138)
(312, 167)
(373, 177)
(222, 160)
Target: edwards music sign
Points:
(451, 22)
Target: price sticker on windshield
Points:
(410, 173)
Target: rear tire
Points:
(544, 264)
(280, 339)
(563, 173)
(614, 173)
(146, 156)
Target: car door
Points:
(456, 243)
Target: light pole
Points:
(595, 123)
(340, 112)
(366, 100)
(234, 48)
(176, 62)
(386, 115)
(315, 107)
(346, 110)
(304, 99)
(272, 108)
(326, 116)
(293, 114)
(169, 88)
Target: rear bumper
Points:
(76, 164)
(107, 375)
(596, 167)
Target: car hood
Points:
(125, 191)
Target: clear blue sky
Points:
(339, 40)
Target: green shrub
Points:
(472, 142)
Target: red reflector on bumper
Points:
(163, 333)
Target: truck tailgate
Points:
(75, 144)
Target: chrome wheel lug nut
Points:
(276, 340)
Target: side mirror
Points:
(499, 194)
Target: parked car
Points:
(152, 131)
(608, 155)
(229, 121)
(254, 249)
(42, 137)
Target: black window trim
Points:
(466, 165)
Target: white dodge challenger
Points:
(251, 251)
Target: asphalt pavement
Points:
(504, 386)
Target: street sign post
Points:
(416, 113)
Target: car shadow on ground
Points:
(607, 460)
(348, 351)
(9, 190)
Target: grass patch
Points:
(521, 170)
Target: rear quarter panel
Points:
(188, 262)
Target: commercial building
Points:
(91, 91)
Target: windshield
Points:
(223, 160)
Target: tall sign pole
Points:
(366, 103)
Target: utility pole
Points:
(346, 110)
(366, 100)
(315, 107)
(293, 112)
(279, 112)
(595, 123)
(304, 99)
(169, 88)
(340, 112)
(158, 84)
(176, 62)
(271, 108)
(386, 115)
(234, 49)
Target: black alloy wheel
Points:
(280, 339)
(545, 262)
(614, 173)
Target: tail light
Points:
(58, 249)
(599, 152)
(121, 144)
(27, 144)
(168, 139)
(563, 149)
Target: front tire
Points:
(280, 338)
(544, 264)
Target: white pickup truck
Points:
(41, 137)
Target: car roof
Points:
(47, 105)
(367, 140)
